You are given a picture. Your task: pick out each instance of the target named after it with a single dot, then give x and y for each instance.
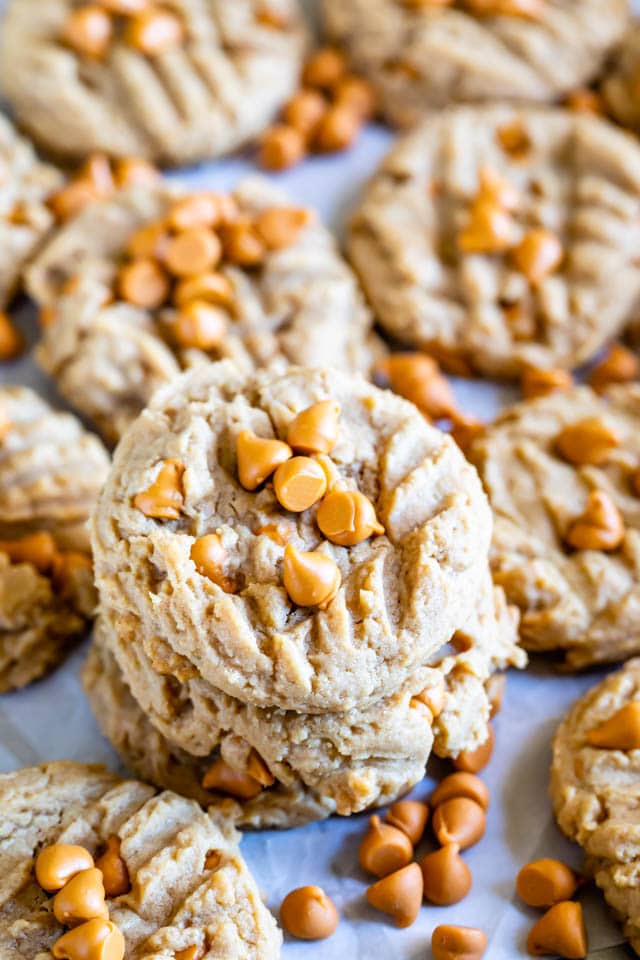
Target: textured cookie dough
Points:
(51, 470)
(303, 306)
(596, 795)
(25, 184)
(333, 763)
(620, 86)
(575, 175)
(403, 594)
(421, 57)
(201, 99)
(581, 604)
(175, 901)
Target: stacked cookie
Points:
(295, 596)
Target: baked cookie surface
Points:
(188, 885)
(25, 184)
(200, 84)
(387, 601)
(172, 727)
(556, 470)
(503, 237)
(298, 304)
(422, 56)
(619, 85)
(595, 788)
(51, 471)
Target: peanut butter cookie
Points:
(595, 788)
(319, 589)
(620, 86)
(25, 184)
(151, 281)
(51, 470)
(562, 475)
(502, 237)
(425, 54)
(175, 83)
(150, 872)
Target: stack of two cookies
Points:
(296, 605)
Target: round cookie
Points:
(188, 884)
(425, 55)
(580, 600)
(178, 726)
(619, 85)
(595, 789)
(221, 74)
(51, 470)
(25, 184)
(300, 304)
(502, 237)
(402, 594)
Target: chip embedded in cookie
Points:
(173, 84)
(562, 475)
(503, 237)
(51, 471)
(421, 54)
(152, 281)
(87, 857)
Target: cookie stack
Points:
(295, 596)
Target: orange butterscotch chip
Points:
(588, 441)
(561, 931)
(536, 382)
(473, 761)
(599, 527)
(258, 458)
(97, 939)
(489, 229)
(66, 566)
(194, 210)
(154, 31)
(115, 873)
(134, 171)
(347, 517)
(151, 240)
(620, 731)
(450, 942)
(70, 199)
(299, 483)
(58, 863)
(384, 848)
(11, 340)
(315, 429)
(527, 9)
(281, 147)
(243, 246)
(164, 499)
(210, 557)
(81, 898)
(257, 768)
(194, 952)
(143, 283)
(88, 30)
(411, 817)
(308, 914)
(193, 251)
(304, 111)
(38, 549)
(310, 578)
(200, 325)
(212, 286)
(461, 784)
(417, 377)
(447, 878)
(399, 894)
(538, 255)
(222, 778)
(324, 68)
(514, 140)
(338, 129)
(542, 883)
(357, 95)
(279, 227)
(459, 820)
(620, 365)
(584, 100)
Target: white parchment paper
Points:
(51, 719)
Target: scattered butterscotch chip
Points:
(561, 932)
(143, 283)
(315, 429)
(38, 549)
(299, 483)
(114, 870)
(465, 430)
(538, 255)
(279, 227)
(620, 365)
(304, 111)
(82, 898)
(584, 100)
(213, 287)
(460, 821)
(134, 172)
(357, 95)
(195, 952)
(473, 761)
(58, 863)
(545, 882)
(97, 939)
(258, 458)
(399, 894)
(209, 557)
(281, 147)
(384, 848)
(222, 778)
(457, 943)
(461, 784)
(12, 342)
(536, 382)
(338, 129)
(489, 229)
(154, 31)
(347, 517)
(88, 30)
(324, 68)
(619, 732)
(310, 578)
(411, 817)
(243, 246)
(257, 768)
(193, 251)
(447, 878)
(164, 499)
(589, 441)
(309, 914)
(599, 527)
(417, 377)
(433, 698)
(194, 210)
(149, 241)
(200, 325)
(514, 140)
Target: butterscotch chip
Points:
(324, 68)
(88, 30)
(192, 856)
(213, 287)
(338, 129)
(457, 943)
(281, 147)
(540, 383)
(258, 458)
(545, 882)
(538, 255)
(399, 894)
(620, 365)
(299, 483)
(11, 340)
(560, 931)
(384, 849)
(193, 251)
(599, 527)
(303, 112)
(164, 498)
(279, 227)
(115, 873)
(200, 325)
(587, 441)
(447, 878)
(234, 783)
(473, 761)
(357, 94)
(310, 578)
(143, 283)
(308, 914)
(134, 172)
